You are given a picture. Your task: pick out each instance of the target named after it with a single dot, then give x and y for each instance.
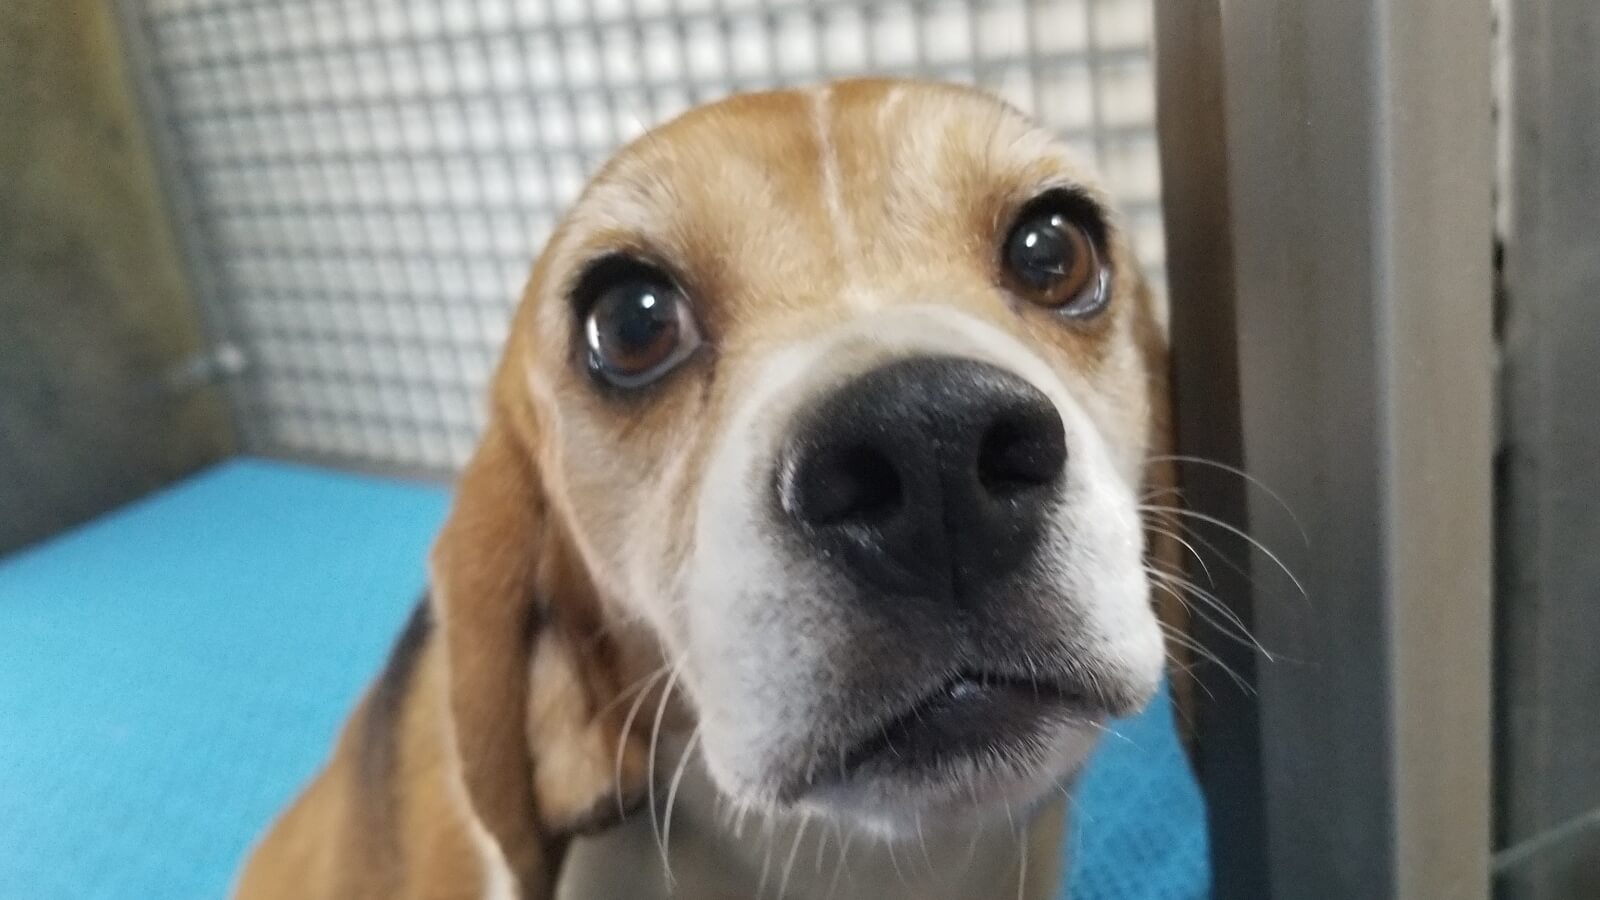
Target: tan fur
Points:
(514, 715)
(325, 846)
(535, 765)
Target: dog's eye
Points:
(638, 330)
(1053, 261)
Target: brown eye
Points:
(638, 330)
(1053, 262)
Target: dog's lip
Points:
(971, 716)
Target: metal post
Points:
(1205, 370)
(1549, 573)
(1328, 171)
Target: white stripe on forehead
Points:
(889, 106)
(828, 167)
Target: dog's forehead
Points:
(791, 203)
(864, 136)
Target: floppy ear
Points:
(530, 672)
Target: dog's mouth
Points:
(972, 722)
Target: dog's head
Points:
(843, 397)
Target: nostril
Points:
(929, 477)
(843, 484)
(1022, 449)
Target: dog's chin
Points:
(895, 800)
(971, 749)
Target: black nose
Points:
(929, 476)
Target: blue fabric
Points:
(171, 673)
(1138, 819)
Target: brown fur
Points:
(513, 713)
(536, 763)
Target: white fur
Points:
(745, 614)
(832, 192)
(498, 882)
(754, 631)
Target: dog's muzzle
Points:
(927, 478)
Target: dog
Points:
(810, 496)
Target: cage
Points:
(291, 235)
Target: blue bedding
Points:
(171, 673)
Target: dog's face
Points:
(843, 394)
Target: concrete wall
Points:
(93, 304)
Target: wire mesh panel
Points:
(366, 182)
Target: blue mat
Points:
(171, 673)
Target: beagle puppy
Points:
(807, 522)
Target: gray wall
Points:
(93, 305)
(1549, 610)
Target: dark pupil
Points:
(641, 319)
(638, 322)
(1041, 252)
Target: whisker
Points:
(1226, 560)
(1205, 617)
(672, 796)
(744, 813)
(1076, 812)
(1216, 552)
(1213, 520)
(1108, 731)
(622, 738)
(1187, 546)
(1214, 602)
(822, 843)
(794, 851)
(972, 845)
(650, 771)
(1234, 470)
(839, 867)
(766, 860)
(922, 841)
(642, 684)
(1173, 492)
(1209, 656)
(894, 860)
(1022, 866)
(1189, 672)
(1186, 640)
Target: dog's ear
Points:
(531, 677)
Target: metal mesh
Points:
(364, 183)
